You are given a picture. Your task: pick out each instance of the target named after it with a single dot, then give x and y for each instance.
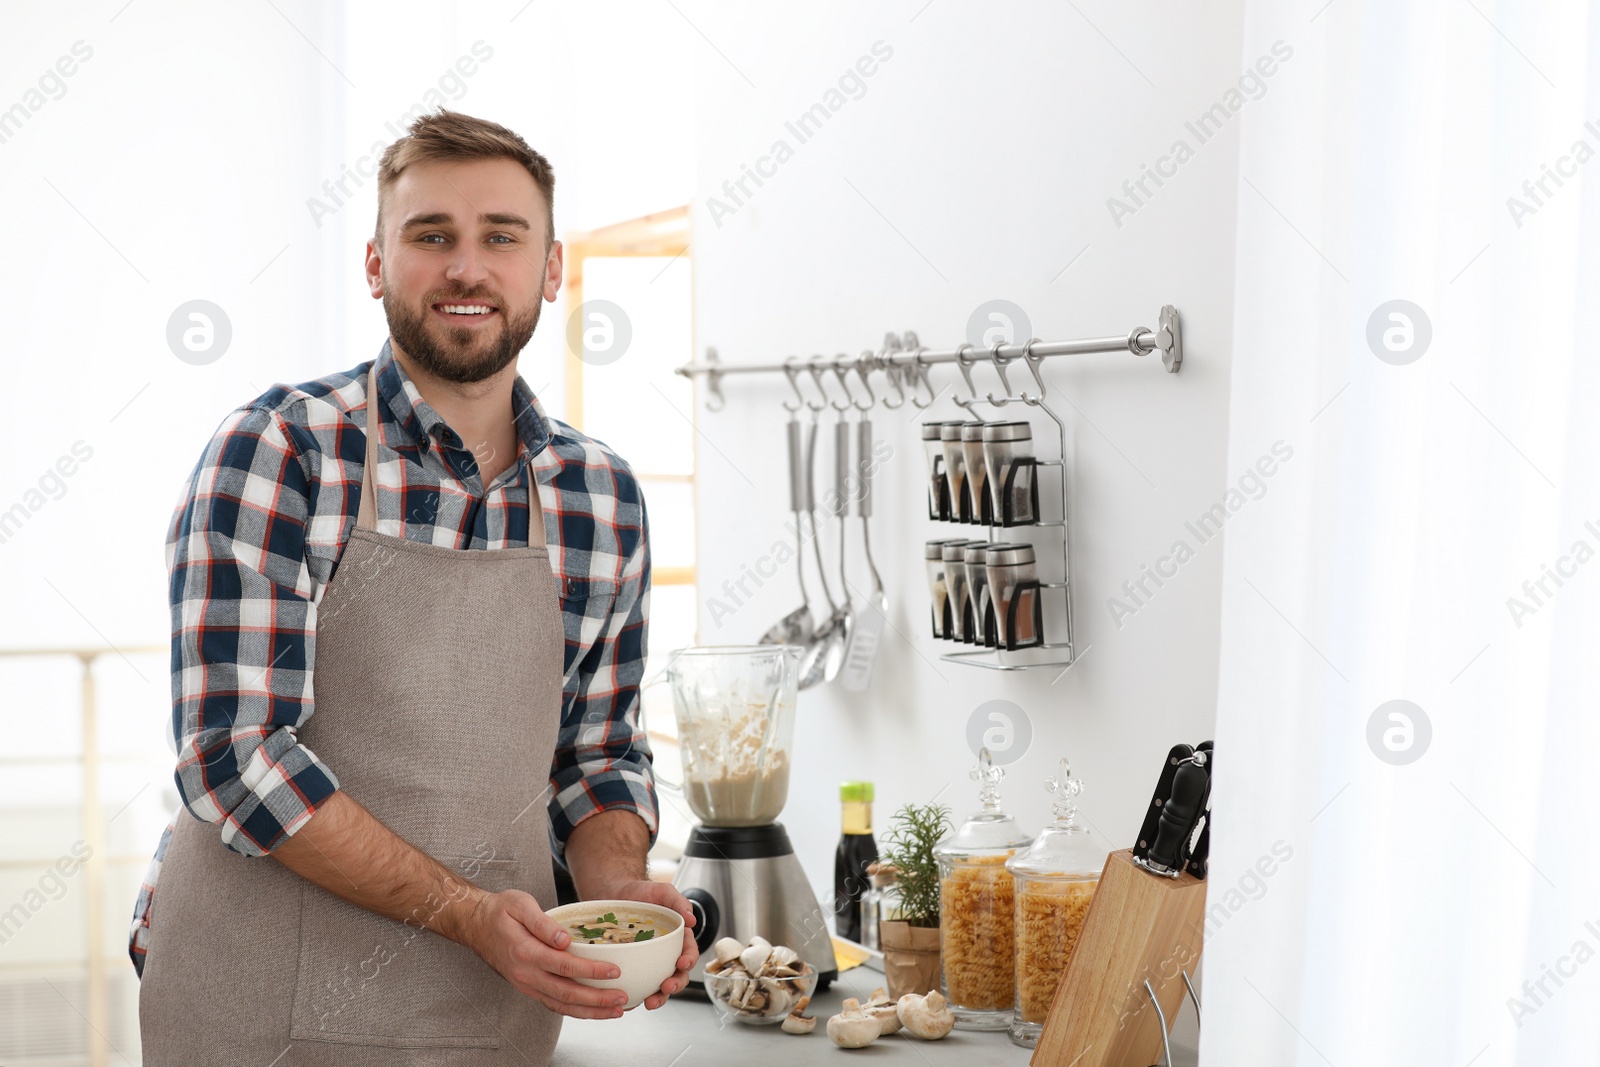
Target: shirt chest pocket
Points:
(586, 605)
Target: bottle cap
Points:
(856, 792)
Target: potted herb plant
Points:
(908, 929)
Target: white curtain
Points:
(1385, 879)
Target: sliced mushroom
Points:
(783, 956)
(756, 955)
(797, 1021)
(928, 1017)
(779, 998)
(852, 1027)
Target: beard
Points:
(461, 354)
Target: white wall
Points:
(977, 165)
(207, 197)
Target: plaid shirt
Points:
(256, 539)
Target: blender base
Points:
(746, 880)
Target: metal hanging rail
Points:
(905, 361)
(908, 356)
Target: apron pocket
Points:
(364, 979)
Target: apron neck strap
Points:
(367, 510)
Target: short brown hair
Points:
(446, 134)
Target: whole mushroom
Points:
(853, 1028)
(926, 1016)
(881, 1008)
(726, 949)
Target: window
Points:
(629, 322)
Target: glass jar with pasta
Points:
(977, 909)
(1054, 882)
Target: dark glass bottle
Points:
(856, 850)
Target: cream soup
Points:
(614, 929)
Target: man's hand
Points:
(529, 949)
(665, 895)
(606, 854)
(383, 873)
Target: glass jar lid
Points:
(1063, 849)
(989, 829)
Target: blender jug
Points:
(734, 706)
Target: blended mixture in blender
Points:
(731, 776)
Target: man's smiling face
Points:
(465, 266)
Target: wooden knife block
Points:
(1139, 927)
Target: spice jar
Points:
(880, 903)
(980, 505)
(938, 586)
(979, 615)
(938, 491)
(1014, 578)
(958, 589)
(1009, 470)
(955, 471)
(1055, 879)
(977, 910)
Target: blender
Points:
(734, 706)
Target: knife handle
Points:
(1178, 814)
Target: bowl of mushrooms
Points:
(758, 984)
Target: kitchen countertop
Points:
(684, 1033)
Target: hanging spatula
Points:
(873, 614)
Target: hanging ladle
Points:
(797, 627)
(833, 633)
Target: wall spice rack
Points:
(905, 362)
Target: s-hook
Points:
(714, 382)
(999, 369)
(844, 382)
(816, 374)
(792, 372)
(966, 373)
(917, 372)
(1033, 362)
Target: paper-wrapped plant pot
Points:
(910, 957)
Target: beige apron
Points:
(438, 699)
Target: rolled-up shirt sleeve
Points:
(602, 759)
(243, 637)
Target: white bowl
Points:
(644, 965)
